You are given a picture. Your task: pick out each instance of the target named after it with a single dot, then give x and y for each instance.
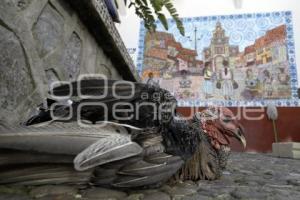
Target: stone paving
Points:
(248, 176)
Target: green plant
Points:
(147, 9)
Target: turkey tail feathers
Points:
(107, 150)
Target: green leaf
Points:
(157, 5)
(131, 4)
(145, 2)
(163, 20)
(169, 6)
(138, 2)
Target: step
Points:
(286, 150)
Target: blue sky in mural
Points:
(241, 30)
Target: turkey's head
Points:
(220, 124)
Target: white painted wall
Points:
(129, 28)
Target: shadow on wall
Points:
(259, 133)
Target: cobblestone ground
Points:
(248, 176)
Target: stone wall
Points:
(42, 41)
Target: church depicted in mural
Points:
(221, 68)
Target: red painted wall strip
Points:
(259, 133)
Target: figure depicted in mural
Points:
(251, 90)
(227, 81)
(208, 84)
(268, 84)
(151, 80)
(283, 80)
(185, 82)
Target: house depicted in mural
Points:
(250, 56)
(270, 48)
(164, 55)
(250, 67)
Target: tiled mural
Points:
(234, 60)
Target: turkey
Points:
(106, 133)
(219, 124)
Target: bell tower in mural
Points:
(219, 49)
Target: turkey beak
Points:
(239, 135)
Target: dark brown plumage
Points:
(143, 151)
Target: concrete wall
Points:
(42, 41)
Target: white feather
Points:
(272, 112)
